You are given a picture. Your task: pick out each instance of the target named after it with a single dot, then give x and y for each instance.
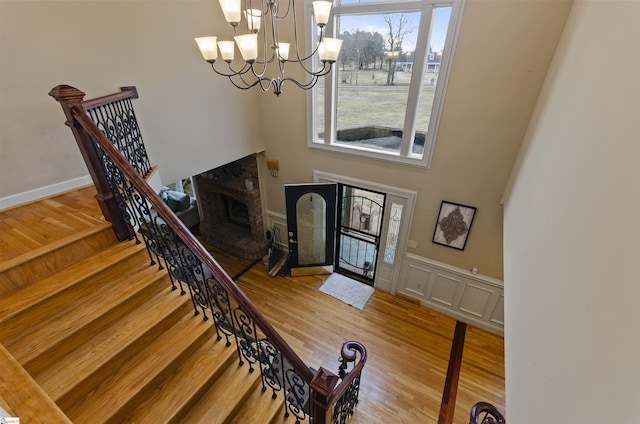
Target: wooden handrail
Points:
(191, 242)
(128, 92)
(324, 383)
(491, 414)
(327, 388)
(350, 351)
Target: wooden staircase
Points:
(102, 333)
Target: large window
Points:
(383, 98)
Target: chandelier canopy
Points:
(256, 29)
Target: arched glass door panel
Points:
(311, 226)
(311, 215)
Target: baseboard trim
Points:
(42, 192)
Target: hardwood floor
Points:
(26, 228)
(408, 345)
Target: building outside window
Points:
(384, 96)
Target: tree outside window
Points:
(384, 98)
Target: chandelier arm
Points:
(306, 86)
(326, 68)
(246, 85)
(245, 68)
(258, 77)
(287, 11)
(258, 67)
(265, 62)
(300, 60)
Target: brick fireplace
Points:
(231, 206)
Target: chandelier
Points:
(256, 29)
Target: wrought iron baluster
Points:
(114, 137)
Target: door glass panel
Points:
(392, 233)
(311, 210)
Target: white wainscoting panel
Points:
(475, 299)
(417, 280)
(446, 289)
(497, 316)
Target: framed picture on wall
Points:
(453, 225)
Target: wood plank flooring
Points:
(26, 228)
(408, 345)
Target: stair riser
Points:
(22, 271)
(177, 416)
(75, 392)
(161, 376)
(46, 307)
(46, 358)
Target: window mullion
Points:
(330, 92)
(417, 78)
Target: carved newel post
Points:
(70, 98)
(322, 386)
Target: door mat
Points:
(349, 291)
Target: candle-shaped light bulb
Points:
(208, 48)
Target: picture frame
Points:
(453, 224)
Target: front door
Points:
(360, 215)
(311, 222)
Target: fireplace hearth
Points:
(231, 208)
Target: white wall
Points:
(191, 119)
(572, 231)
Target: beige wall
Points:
(572, 231)
(503, 52)
(191, 120)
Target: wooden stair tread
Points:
(220, 403)
(260, 408)
(31, 226)
(116, 396)
(87, 316)
(32, 295)
(110, 348)
(175, 397)
(55, 245)
(30, 267)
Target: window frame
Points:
(405, 156)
